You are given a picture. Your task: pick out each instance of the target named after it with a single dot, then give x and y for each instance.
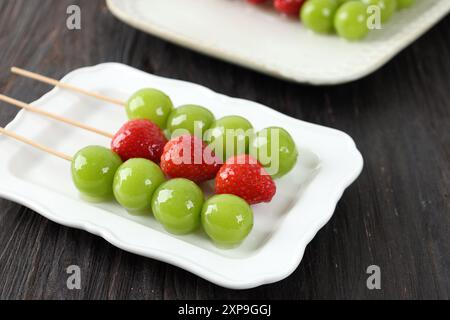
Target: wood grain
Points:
(397, 214)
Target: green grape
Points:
(134, 184)
(93, 170)
(227, 219)
(387, 8)
(150, 104)
(228, 136)
(177, 205)
(283, 158)
(318, 15)
(195, 119)
(350, 20)
(401, 4)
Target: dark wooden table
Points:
(396, 215)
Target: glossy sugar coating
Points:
(134, 184)
(318, 15)
(285, 157)
(227, 219)
(350, 20)
(189, 157)
(243, 176)
(150, 104)
(237, 143)
(93, 170)
(139, 138)
(177, 205)
(190, 119)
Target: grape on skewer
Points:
(99, 175)
(134, 184)
(93, 167)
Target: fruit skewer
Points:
(157, 108)
(134, 182)
(136, 139)
(94, 171)
(147, 103)
(139, 186)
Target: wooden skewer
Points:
(56, 83)
(35, 144)
(28, 107)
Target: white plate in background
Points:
(305, 199)
(263, 40)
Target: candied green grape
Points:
(318, 15)
(192, 118)
(93, 170)
(387, 8)
(229, 136)
(350, 20)
(134, 184)
(227, 219)
(275, 150)
(177, 205)
(402, 4)
(150, 104)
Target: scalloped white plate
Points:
(261, 39)
(305, 200)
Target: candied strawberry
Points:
(189, 157)
(245, 177)
(291, 7)
(139, 138)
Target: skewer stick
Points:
(35, 144)
(56, 83)
(28, 107)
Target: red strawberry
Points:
(139, 139)
(256, 1)
(291, 7)
(189, 157)
(245, 177)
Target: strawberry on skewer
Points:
(189, 157)
(245, 177)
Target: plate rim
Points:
(16, 192)
(400, 42)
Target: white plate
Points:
(262, 40)
(305, 200)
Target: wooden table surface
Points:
(396, 215)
